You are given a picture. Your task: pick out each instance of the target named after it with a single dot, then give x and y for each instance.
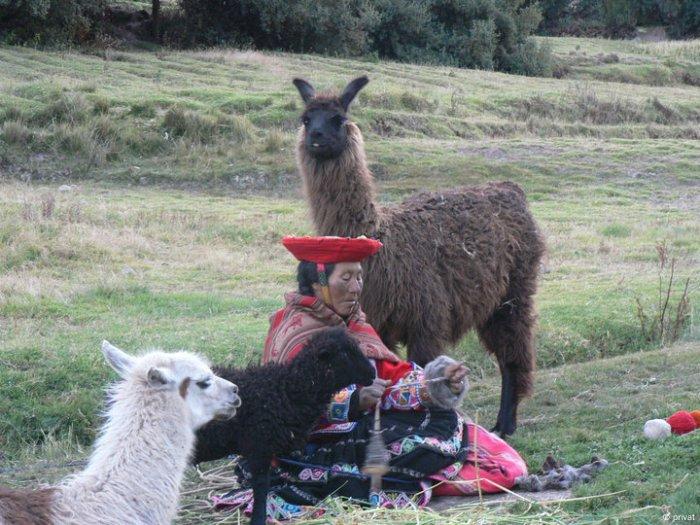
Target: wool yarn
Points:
(681, 422)
(657, 429)
(696, 417)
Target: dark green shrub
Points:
(50, 21)
(404, 31)
(619, 17)
(485, 34)
(331, 26)
(530, 58)
(684, 20)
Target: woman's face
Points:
(345, 284)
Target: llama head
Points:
(325, 117)
(339, 358)
(186, 376)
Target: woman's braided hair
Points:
(307, 276)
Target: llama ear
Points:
(158, 377)
(351, 91)
(119, 360)
(306, 90)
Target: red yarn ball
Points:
(696, 417)
(681, 422)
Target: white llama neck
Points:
(139, 459)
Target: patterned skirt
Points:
(420, 443)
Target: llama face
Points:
(325, 134)
(324, 118)
(185, 375)
(206, 395)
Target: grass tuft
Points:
(180, 122)
(16, 132)
(275, 140)
(70, 108)
(74, 139)
(102, 105)
(237, 127)
(11, 113)
(143, 109)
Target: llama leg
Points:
(508, 334)
(507, 412)
(261, 486)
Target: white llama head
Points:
(205, 395)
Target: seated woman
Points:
(429, 441)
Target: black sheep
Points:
(281, 404)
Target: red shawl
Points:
(304, 315)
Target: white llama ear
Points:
(159, 377)
(119, 360)
(306, 90)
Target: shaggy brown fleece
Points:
(26, 507)
(453, 260)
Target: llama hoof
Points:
(504, 431)
(496, 430)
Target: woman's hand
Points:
(455, 374)
(372, 394)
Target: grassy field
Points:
(143, 197)
(662, 63)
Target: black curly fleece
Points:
(281, 403)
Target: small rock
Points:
(128, 271)
(65, 187)
(143, 180)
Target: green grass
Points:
(182, 181)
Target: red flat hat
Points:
(329, 250)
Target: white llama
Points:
(134, 473)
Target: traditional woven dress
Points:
(427, 443)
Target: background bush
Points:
(329, 26)
(485, 34)
(50, 21)
(618, 18)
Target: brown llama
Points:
(452, 261)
